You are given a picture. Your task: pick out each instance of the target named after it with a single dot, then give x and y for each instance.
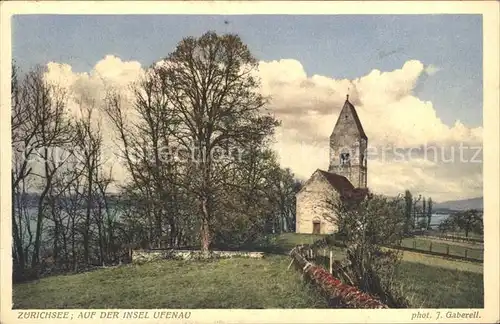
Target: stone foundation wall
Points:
(142, 256)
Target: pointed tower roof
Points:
(350, 107)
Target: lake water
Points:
(436, 219)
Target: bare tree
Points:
(89, 145)
(146, 145)
(23, 145)
(71, 201)
(195, 144)
(41, 130)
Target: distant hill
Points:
(472, 203)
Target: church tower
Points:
(348, 144)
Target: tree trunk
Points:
(205, 237)
(73, 250)
(86, 230)
(111, 239)
(56, 239)
(65, 249)
(38, 234)
(159, 230)
(205, 229)
(19, 255)
(101, 241)
(179, 241)
(173, 233)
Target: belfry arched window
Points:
(344, 158)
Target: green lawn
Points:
(290, 240)
(462, 234)
(230, 283)
(283, 243)
(440, 262)
(428, 281)
(286, 241)
(434, 282)
(452, 248)
(439, 287)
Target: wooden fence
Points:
(442, 249)
(432, 234)
(449, 251)
(453, 238)
(323, 256)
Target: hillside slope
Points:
(473, 203)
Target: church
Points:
(347, 173)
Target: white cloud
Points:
(432, 69)
(91, 88)
(308, 106)
(392, 116)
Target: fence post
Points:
(430, 247)
(414, 244)
(331, 262)
(447, 249)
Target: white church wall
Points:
(312, 203)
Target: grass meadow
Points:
(227, 283)
(429, 282)
(474, 251)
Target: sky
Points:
(415, 80)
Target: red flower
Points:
(348, 295)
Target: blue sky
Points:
(408, 105)
(338, 46)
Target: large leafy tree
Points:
(470, 220)
(220, 114)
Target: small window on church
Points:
(344, 158)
